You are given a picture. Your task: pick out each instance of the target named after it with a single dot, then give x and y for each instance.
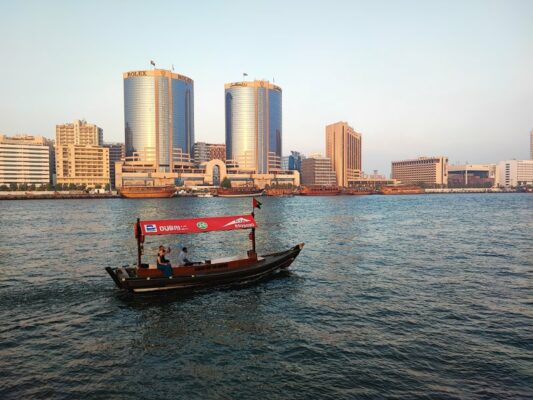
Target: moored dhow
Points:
(141, 191)
(233, 270)
(317, 190)
(242, 191)
(401, 189)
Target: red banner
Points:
(197, 225)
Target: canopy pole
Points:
(253, 233)
(138, 234)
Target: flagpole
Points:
(253, 229)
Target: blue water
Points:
(392, 297)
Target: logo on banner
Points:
(240, 223)
(150, 228)
(201, 225)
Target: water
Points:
(392, 297)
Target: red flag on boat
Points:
(256, 203)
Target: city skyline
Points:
(438, 78)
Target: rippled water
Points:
(392, 297)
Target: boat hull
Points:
(141, 192)
(209, 275)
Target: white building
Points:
(514, 173)
(25, 159)
(531, 145)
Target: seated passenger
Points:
(162, 263)
(183, 261)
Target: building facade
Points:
(471, 175)
(428, 171)
(254, 125)
(204, 152)
(117, 152)
(210, 173)
(25, 159)
(317, 170)
(79, 132)
(531, 145)
(343, 148)
(515, 173)
(82, 165)
(159, 117)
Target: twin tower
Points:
(159, 121)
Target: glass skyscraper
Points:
(159, 117)
(253, 125)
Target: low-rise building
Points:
(317, 170)
(117, 152)
(25, 159)
(79, 132)
(515, 173)
(426, 171)
(204, 152)
(471, 175)
(211, 173)
(82, 165)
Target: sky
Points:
(415, 78)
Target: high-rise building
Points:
(430, 171)
(82, 165)
(514, 173)
(343, 148)
(204, 152)
(317, 170)
(79, 132)
(531, 145)
(117, 152)
(25, 159)
(159, 117)
(253, 125)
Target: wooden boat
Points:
(136, 192)
(319, 191)
(401, 189)
(243, 191)
(357, 191)
(279, 192)
(237, 270)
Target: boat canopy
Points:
(197, 225)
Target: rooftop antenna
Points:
(152, 63)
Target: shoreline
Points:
(63, 196)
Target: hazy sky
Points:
(416, 78)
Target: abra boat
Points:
(235, 270)
(244, 191)
(140, 191)
(319, 191)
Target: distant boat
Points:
(279, 192)
(141, 191)
(317, 190)
(244, 191)
(401, 189)
(357, 191)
